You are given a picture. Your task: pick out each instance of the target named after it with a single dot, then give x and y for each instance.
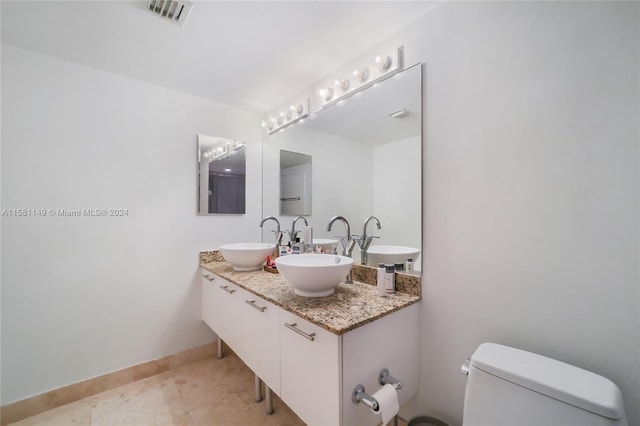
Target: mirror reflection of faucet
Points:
(347, 241)
(364, 241)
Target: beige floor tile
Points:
(214, 381)
(152, 401)
(236, 412)
(76, 414)
(211, 392)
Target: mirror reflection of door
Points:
(295, 184)
(222, 175)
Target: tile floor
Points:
(211, 392)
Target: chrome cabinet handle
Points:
(209, 277)
(295, 328)
(252, 303)
(227, 289)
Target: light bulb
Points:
(383, 62)
(327, 94)
(361, 74)
(342, 84)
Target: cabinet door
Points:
(222, 309)
(210, 313)
(261, 341)
(310, 370)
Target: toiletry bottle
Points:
(409, 267)
(307, 239)
(297, 247)
(390, 282)
(399, 267)
(381, 280)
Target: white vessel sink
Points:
(390, 254)
(247, 256)
(327, 244)
(314, 275)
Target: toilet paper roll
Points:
(387, 398)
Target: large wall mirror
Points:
(221, 175)
(367, 161)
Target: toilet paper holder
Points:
(384, 378)
(360, 395)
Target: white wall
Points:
(83, 296)
(531, 188)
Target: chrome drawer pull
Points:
(252, 303)
(209, 277)
(227, 289)
(295, 328)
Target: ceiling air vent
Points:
(175, 11)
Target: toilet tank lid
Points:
(555, 379)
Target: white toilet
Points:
(510, 387)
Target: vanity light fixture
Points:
(383, 66)
(294, 113)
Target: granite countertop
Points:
(351, 306)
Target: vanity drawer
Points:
(260, 339)
(222, 308)
(310, 370)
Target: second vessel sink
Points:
(328, 245)
(246, 256)
(314, 275)
(390, 254)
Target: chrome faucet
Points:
(293, 233)
(277, 231)
(347, 241)
(364, 241)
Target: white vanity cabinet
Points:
(313, 370)
(248, 324)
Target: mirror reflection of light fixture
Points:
(382, 67)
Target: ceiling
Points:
(252, 55)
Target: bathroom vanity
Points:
(313, 352)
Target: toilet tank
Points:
(508, 386)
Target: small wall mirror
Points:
(295, 183)
(221, 175)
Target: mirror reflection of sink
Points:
(247, 256)
(390, 254)
(328, 245)
(314, 275)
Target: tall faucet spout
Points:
(277, 231)
(347, 241)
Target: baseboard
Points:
(28, 407)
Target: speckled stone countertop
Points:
(351, 306)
